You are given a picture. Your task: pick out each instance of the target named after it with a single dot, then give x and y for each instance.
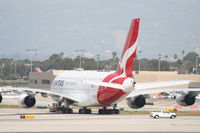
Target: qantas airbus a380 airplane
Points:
(103, 89)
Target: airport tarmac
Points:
(52, 122)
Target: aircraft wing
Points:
(32, 91)
(151, 91)
(148, 85)
(154, 87)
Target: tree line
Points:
(19, 69)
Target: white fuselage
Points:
(71, 84)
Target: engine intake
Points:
(27, 101)
(136, 102)
(185, 100)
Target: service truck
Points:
(164, 114)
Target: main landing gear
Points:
(109, 111)
(84, 111)
(65, 109)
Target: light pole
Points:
(31, 51)
(139, 53)
(11, 68)
(98, 56)
(81, 51)
(197, 62)
(15, 65)
(159, 57)
(15, 69)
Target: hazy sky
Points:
(54, 26)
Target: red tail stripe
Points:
(132, 35)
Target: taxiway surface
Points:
(47, 122)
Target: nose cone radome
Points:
(128, 84)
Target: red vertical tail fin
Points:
(129, 52)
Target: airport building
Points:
(43, 79)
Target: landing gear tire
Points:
(108, 111)
(85, 111)
(63, 110)
(66, 110)
(116, 111)
(69, 111)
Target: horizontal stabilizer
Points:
(112, 85)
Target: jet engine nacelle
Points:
(136, 102)
(185, 100)
(26, 101)
(1, 98)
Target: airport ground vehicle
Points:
(104, 89)
(163, 114)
